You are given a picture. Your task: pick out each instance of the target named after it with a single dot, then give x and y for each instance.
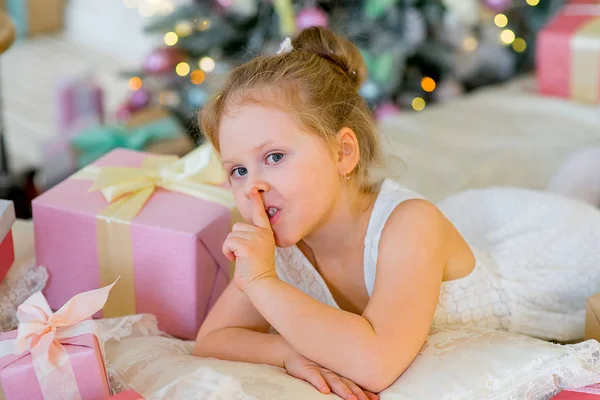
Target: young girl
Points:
(350, 272)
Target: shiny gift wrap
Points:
(156, 222)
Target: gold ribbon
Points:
(127, 189)
(585, 62)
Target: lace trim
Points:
(120, 328)
(21, 282)
(116, 380)
(576, 369)
(300, 273)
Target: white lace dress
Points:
(538, 259)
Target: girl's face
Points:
(296, 171)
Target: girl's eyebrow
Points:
(255, 149)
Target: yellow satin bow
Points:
(198, 174)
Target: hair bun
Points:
(336, 49)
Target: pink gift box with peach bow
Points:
(55, 355)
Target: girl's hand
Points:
(252, 246)
(323, 379)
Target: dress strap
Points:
(391, 194)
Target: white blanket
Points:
(503, 136)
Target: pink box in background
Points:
(7, 250)
(19, 381)
(80, 104)
(174, 245)
(568, 54)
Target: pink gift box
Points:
(7, 250)
(568, 55)
(18, 379)
(128, 395)
(178, 267)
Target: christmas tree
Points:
(417, 51)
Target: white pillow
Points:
(472, 363)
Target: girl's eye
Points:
(239, 172)
(275, 158)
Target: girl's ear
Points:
(348, 151)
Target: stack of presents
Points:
(131, 233)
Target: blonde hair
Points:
(317, 82)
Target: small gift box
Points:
(128, 395)
(7, 250)
(158, 222)
(153, 130)
(55, 355)
(568, 54)
(33, 17)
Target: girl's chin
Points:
(283, 241)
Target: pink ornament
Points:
(385, 110)
(498, 5)
(140, 99)
(313, 16)
(163, 60)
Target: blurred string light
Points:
(148, 8)
(131, 3)
(203, 25)
(165, 8)
(507, 36)
(418, 104)
(169, 98)
(501, 20)
(533, 3)
(428, 84)
(197, 77)
(135, 83)
(519, 45)
(207, 64)
(182, 69)
(470, 44)
(184, 28)
(171, 38)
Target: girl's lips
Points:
(275, 217)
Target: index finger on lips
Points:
(259, 215)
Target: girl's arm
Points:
(235, 331)
(372, 349)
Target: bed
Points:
(499, 136)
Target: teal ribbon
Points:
(93, 143)
(17, 9)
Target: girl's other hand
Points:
(323, 379)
